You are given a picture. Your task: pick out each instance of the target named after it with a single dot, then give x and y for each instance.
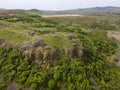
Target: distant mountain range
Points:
(108, 9)
(2, 9)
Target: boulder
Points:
(38, 42)
(31, 33)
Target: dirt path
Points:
(114, 34)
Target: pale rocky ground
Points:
(114, 34)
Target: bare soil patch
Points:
(114, 34)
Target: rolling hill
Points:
(107, 9)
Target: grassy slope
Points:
(17, 32)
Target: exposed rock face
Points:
(38, 50)
(13, 86)
(26, 49)
(74, 52)
(38, 42)
(25, 46)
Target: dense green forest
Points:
(69, 55)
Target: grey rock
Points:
(25, 46)
(31, 33)
(38, 42)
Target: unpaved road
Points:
(114, 34)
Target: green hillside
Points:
(58, 53)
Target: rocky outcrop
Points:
(25, 46)
(39, 51)
(38, 42)
(13, 86)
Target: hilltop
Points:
(108, 9)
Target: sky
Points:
(56, 4)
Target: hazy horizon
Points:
(56, 4)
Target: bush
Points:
(51, 84)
